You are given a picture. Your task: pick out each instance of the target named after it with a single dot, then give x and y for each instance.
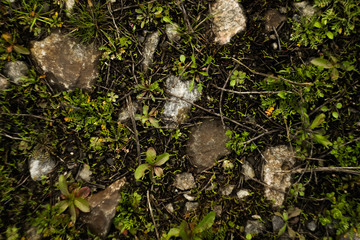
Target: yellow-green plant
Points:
(153, 164)
(73, 199)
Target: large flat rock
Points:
(68, 64)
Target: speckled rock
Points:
(103, 209)
(40, 163)
(66, 63)
(305, 8)
(228, 18)
(191, 206)
(172, 33)
(273, 18)
(150, 45)
(243, 193)
(175, 110)
(227, 190)
(277, 159)
(4, 83)
(254, 227)
(184, 181)
(15, 71)
(248, 170)
(207, 143)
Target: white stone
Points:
(228, 18)
(189, 197)
(243, 193)
(85, 173)
(191, 206)
(15, 71)
(40, 163)
(184, 181)
(277, 159)
(305, 8)
(69, 4)
(3, 83)
(171, 32)
(175, 110)
(169, 207)
(226, 191)
(151, 43)
(248, 170)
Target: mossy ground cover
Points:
(305, 95)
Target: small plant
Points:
(333, 66)
(115, 47)
(148, 89)
(73, 199)
(286, 216)
(149, 13)
(131, 216)
(236, 142)
(153, 164)
(297, 190)
(237, 78)
(148, 118)
(8, 46)
(191, 231)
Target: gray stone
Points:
(85, 173)
(228, 20)
(40, 163)
(273, 18)
(169, 207)
(277, 159)
(227, 190)
(191, 206)
(350, 236)
(151, 43)
(68, 65)
(125, 114)
(248, 170)
(4, 83)
(243, 193)
(207, 144)
(103, 209)
(175, 109)
(184, 181)
(311, 226)
(254, 227)
(15, 71)
(172, 33)
(218, 210)
(277, 223)
(305, 8)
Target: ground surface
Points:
(314, 108)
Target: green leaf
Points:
(334, 74)
(184, 231)
(166, 19)
(206, 223)
(291, 232)
(330, 35)
(282, 95)
(21, 50)
(322, 140)
(338, 105)
(7, 37)
(294, 212)
(193, 64)
(63, 185)
(140, 170)
(161, 159)
(317, 24)
(182, 58)
(173, 232)
(82, 204)
(282, 230)
(318, 121)
(62, 206)
(320, 62)
(72, 213)
(335, 115)
(150, 155)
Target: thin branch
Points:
(222, 93)
(350, 170)
(272, 76)
(152, 215)
(250, 92)
(28, 115)
(14, 138)
(130, 108)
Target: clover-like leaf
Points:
(140, 170)
(161, 159)
(82, 204)
(63, 186)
